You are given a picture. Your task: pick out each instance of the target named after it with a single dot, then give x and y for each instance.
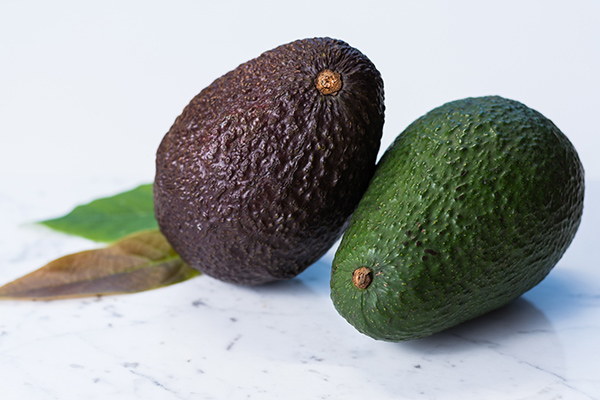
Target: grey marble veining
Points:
(205, 339)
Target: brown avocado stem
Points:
(328, 82)
(362, 277)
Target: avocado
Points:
(471, 206)
(258, 176)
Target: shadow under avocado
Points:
(492, 329)
(564, 293)
(314, 280)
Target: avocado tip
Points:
(328, 82)
(362, 277)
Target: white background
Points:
(89, 88)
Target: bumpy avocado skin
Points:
(470, 207)
(257, 178)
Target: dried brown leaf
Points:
(139, 262)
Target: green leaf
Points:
(139, 262)
(110, 218)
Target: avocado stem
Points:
(362, 277)
(328, 82)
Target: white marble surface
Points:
(204, 339)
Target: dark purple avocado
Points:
(257, 178)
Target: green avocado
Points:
(259, 175)
(470, 207)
